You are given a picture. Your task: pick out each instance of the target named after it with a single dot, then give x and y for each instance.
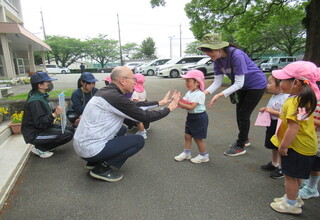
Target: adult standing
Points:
(100, 137)
(38, 126)
(249, 84)
(82, 68)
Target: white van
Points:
(53, 68)
(275, 63)
(150, 68)
(173, 67)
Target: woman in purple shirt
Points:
(249, 83)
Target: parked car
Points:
(277, 63)
(133, 65)
(150, 68)
(53, 68)
(106, 69)
(260, 61)
(173, 67)
(136, 69)
(204, 65)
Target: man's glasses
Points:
(127, 77)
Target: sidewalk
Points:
(14, 153)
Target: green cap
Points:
(213, 41)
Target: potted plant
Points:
(3, 111)
(16, 120)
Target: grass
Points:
(53, 94)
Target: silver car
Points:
(205, 65)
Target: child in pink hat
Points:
(197, 119)
(140, 95)
(296, 137)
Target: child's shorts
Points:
(271, 130)
(297, 165)
(197, 125)
(316, 164)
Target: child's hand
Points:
(283, 151)
(262, 109)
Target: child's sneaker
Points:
(42, 154)
(307, 192)
(268, 167)
(200, 159)
(143, 134)
(299, 200)
(276, 174)
(183, 156)
(285, 207)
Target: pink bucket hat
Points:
(108, 78)
(197, 75)
(138, 86)
(301, 70)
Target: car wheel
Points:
(174, 73)
(204, 71)
(63, 72)
(274, 68)
(150, 72)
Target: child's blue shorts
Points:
(197, 125)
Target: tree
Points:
(129, 50)
(65, 50)
(207, 15)
(103, 50)
(148, 48)
(192, 48)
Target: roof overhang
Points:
(19, 37)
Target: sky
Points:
(137, 20)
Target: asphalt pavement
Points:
(154, 185)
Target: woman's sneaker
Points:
(200, 159)
(246, 144)
(307, 192)
(235, 151)
(104, 172)
(40, 153)
(143, 134)
(182, 156)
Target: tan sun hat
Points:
(213, 42)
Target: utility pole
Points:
(121, 61)
(180, 43)
(171, 37)
(44, 35)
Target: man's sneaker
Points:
(235, 151)
(299, 200)
(183, 156)
(268, 167)
(104, 172)
(200, 159)
(276, 174)
(143, 134)
(285, 207)
(91, 165)
(246, 144)
(307, 192)
(40, 153)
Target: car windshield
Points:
(273, 60)
(203, 61)
(173, 61)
